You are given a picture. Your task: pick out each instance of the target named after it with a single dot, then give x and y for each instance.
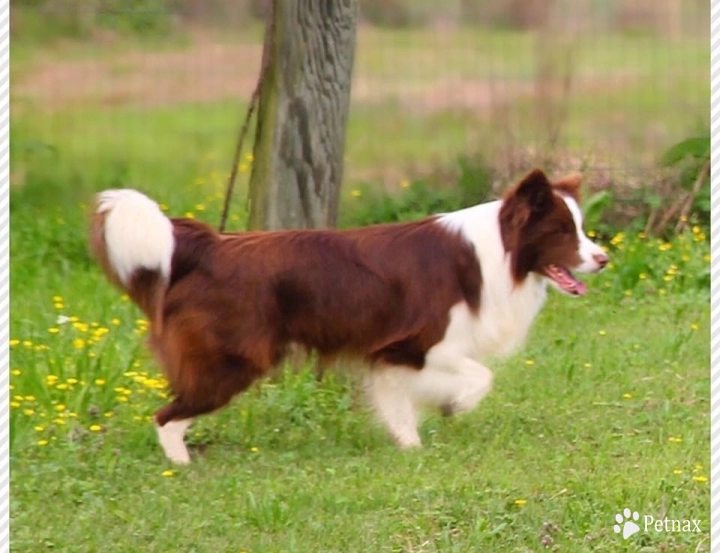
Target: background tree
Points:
(302, 114)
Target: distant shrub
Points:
(419, 197)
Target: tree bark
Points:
(302, 115)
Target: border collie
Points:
(424, 303)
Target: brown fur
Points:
(537, 227)
(570, 185)
(236, 302)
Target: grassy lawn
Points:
(607, 407)
(419, 100)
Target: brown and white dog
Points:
(424, 303)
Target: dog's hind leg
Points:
(172, 439)
(385, 387)
(210, 389)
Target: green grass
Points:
(644, 95)
(606, 407)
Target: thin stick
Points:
(248, 115)
(697, 186)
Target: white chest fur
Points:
(507, 310)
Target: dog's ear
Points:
(531, 197)
(533, 194)
(570, 185)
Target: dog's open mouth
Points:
(565, 280)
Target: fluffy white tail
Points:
(131, 233)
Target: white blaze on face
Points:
(589, 251)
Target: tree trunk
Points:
(302, 115)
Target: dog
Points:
(423, 303)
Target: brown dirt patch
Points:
(208, 72)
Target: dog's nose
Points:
(601, 259)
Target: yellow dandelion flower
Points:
(529, 361)
(677, 471)
(42, 442)
(99, 381)
(14, 342)
(122, 399)
(30, 398)
(164, 207)
(59, 421)
(255, 449)
(627, 396)
(39, 428)
(697, 468)
(14, 404)
(16, 372)
(53, 330)
(168, 473)
(57, 298)
(602, 332)
(108, 415)
(27, 343)
(79, 343)
(95, 428)
(694, 326)
(59, 306)
(675, 439)
(642, 276)
(28, 412)
(115, 322)
(520, 502)
(699, 478)
(189, 215)
(60, 407)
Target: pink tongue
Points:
(569, 283)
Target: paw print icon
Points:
(626, 523)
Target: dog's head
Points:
(541, 228)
